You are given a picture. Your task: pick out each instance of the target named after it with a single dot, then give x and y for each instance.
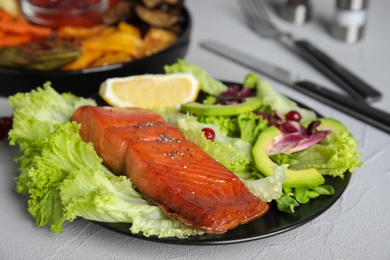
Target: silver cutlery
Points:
(259, 21)
(344, 103)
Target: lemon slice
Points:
(150, 91)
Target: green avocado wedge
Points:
(327, 123)
(294, 179)
(250, 104)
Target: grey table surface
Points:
(356, 227)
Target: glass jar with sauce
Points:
(57, 13)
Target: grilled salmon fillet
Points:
(167, 169)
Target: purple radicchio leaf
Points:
(234, 95)
(297, 138)
(273, 119)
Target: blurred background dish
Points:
(85, 81)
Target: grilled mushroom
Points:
(155, 3)
(159, 13)
(123, 10)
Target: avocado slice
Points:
(303, 178)
(328, 123)
(250, 104)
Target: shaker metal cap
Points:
(352, 4)
(296, 11)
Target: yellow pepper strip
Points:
(116, 41)
(103, 45)
(79, 32)
(87, 57)
(111, 58)
(130, 29)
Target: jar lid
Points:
(352, 4)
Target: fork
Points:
(259, 21)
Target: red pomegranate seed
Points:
(209, 133)
(293, 116)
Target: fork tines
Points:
(255, 11)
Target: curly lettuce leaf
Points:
(208, 84)
(228, 125)
(233, 153)
(62, 151)
(250, 126)
(334, 156)
(250, 80)
(35, 115)
(37, 111)
(246, 126)
(268, 188)
(294, 197)
(65, 178)
(279, 102)
(96, 194)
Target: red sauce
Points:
(57, 13)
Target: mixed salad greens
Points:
(65, 178)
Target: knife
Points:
(355, 108)
(343, 78)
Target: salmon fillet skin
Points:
(167, 169)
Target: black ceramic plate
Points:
(272, 223)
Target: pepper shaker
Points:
(350, 20)
(296, 11)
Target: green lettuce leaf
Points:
(37, 111)
(334, 156)
(208, 84)
(233, 153)
(250, 80)
(250, 126)
(294, 197)
(268, 188)
(246, 126)
(62, 151)
(279, 102)
(64, 176)
(228, 125)
(35, 114)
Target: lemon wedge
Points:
(150, 91)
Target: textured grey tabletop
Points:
(356, 227)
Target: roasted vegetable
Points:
(113, 45)
(15, 30)
(157, 18)
(40, 55)
(157, 39)
(159, 13)
(158, 3)
(121, 11)
(124, 36)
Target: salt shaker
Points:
(350, 20)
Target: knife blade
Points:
(355, 108)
